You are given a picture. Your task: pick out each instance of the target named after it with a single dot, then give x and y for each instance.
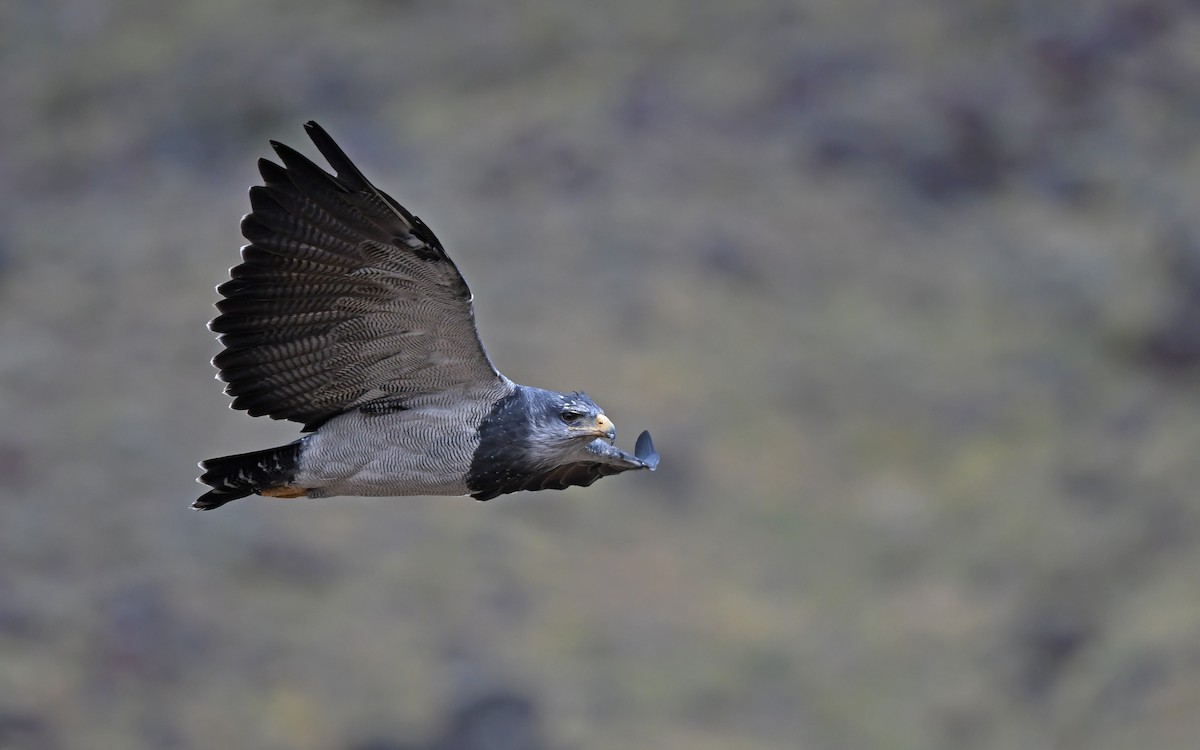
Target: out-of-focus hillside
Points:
(909, 294)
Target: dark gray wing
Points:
(343, 300)
(612, 460)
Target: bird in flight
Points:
(347, 316)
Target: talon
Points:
(285, 492)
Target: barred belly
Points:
(421, 451)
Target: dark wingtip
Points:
(288, 154)
(333, 153)
(644, 450)
(317, 134)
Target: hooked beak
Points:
(603, 427)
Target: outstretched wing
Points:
(343, 300)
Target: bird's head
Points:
(563, 424)
(580, 418)
(536, 439)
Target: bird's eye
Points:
(571, 416)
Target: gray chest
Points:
(420, 451)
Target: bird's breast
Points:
(420, 451)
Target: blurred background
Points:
(908, 293)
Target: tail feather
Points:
(233, 477)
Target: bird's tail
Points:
(233, 477)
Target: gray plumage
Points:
(346, 315)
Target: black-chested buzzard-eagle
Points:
(346, 315)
